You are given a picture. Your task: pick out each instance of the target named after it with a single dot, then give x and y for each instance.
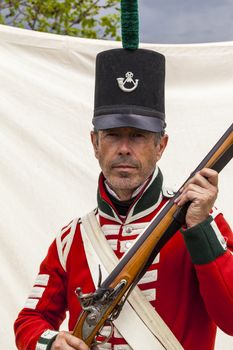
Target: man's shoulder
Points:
(66, 237)
(69, 230)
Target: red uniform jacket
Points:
(190, 282)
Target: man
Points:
(190, 283)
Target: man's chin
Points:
(124, 183)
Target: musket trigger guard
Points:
(108, 322)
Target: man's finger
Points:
(211, 175)
(76, 343)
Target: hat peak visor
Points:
(110, 121)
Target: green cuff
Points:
(204, 242)
(46, 340)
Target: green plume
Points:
(129, 24)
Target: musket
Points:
(104, 305)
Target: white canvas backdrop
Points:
(47, 170)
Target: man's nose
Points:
(124, 146)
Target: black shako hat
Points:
(129, 82)
(129, 90)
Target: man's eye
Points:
(111, 134)
(138, 135)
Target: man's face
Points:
(127, 157)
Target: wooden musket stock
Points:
(133, 265)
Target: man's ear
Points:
(162, 144)
(94, 141)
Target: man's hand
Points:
(201, 190)
(66, 341)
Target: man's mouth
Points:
(124, 166)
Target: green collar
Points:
(146, 199)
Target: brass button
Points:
(128, 245)
(128, 229)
